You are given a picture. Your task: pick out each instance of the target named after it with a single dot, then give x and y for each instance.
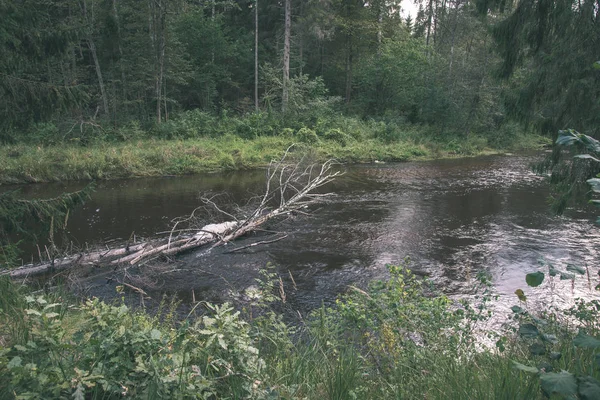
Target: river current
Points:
(454, 218)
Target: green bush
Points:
(287, 132)
(188, 125)
(104, 351)
(336, 135)
(43, 133)
(307, 135)
(398, 338)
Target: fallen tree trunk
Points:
(290, 185)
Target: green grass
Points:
(23, 163)
(399, 339)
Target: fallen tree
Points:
(289, 188)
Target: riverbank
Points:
(26, 163)
(398, 338)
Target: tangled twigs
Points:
(290, 188)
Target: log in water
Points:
(454, 218)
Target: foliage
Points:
(566, 362)
(545, 46)
(399, 338)
(394, 81)
(572, 172)
(307, 135)
(104, 351)
(100, 71)
(32, 217)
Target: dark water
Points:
(454, 218)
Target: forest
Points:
(459, 75)
(300, 292)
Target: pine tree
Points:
(32, 218)
(549, 47)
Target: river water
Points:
(454, 218)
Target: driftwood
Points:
(291, 186)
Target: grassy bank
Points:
(397, 339)
(26, 163)
(193, 144)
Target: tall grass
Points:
(199, 142)
(399, 339)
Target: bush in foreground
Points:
(397, 339)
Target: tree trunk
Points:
(256, 55)
(429, 18)
(286, 55)
(158, 37)
(452, 40)
(121, 67)
(477, 96)
(212, 18)
(349, 67)
(92, 46)
(379, 26)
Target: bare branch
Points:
(292, 186)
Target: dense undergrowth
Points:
(197, 141)
(397, 339)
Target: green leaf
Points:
(526, 368)
(41, 301)
(79, 393)
(529, 331)
(565, 276)
(222, 342)
(589, 388)
(537, 349)
(552, 271)
(550, 338)
(545, 367)
(555, 355)
(563, 383)
(15, 362)
(521, 295)
(567, 137)
(155, 334)
(517, 309)
(596, 65)
(49, 306)
(595, 184)
(576, 268)
(534, 279)
(586, 341)
(587, 156)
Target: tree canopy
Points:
(69, 69)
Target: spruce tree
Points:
(33, 219)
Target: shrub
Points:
(337, 135)
(287, 132)
(307, 135)
(105, 351)
(43, 133)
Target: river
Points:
(454, 218)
